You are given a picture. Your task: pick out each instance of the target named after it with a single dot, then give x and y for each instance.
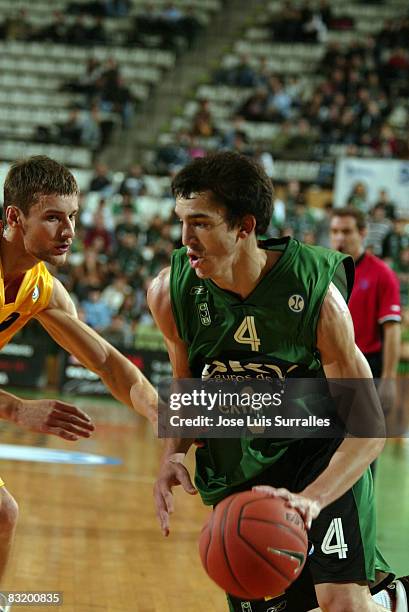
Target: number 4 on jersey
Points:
(335, 531)
(248, 326)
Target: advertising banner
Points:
(375, 174)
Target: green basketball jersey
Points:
(270, 334)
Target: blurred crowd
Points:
(103, 100)
(83, 24)
(358, 102)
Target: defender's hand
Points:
(53, 417)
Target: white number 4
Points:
(247, 326)
(336, 532)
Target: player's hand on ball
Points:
(172, 474)
(307, 507)
(53, 417)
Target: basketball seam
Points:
(286, 527)
(267, 559)
(289, 527)
(222, 524)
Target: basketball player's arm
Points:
(47, 416)
(391, 348)
(341, 358)
(172, 471)
(125, 381)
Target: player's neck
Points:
(15, 260)
(246, 271)
(358, 254)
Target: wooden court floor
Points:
(91, 531)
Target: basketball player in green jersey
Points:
(230, 307)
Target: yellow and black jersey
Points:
(33, 296)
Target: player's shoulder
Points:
(158, 290)
(60, 298)
(334, 303)
(159, 302)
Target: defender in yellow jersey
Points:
(40, 207)
(33, 296)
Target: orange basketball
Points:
(253, 546)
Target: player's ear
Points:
(247, 225)
(12, 215)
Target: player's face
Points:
(49, 227)
(211, 243)
(346, 237)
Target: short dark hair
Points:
(351, 211)
(30, 178)
(236, 181)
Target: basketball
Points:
(253, 546)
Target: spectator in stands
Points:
(126, 224)
(194, 149)
(286, 26)
(190, 26)
(171, 13)
(302, 138)
(77, 33)
(92, 135)
(90, 272)
(127, 254)
(237, 127)
(301, 219)
(241, 74)
(255, 108)
(103, 210)
(133, 182)
(56, 31)
(88, 84)
(395, 241)
(96, 33)
(101, 179)
(131, 311)
(18, 27)
(114, 294)
(118, 332)
(154, 232)
(98, 231)
(358, 198)
(293, 195)
(203, 123)
(70, 132)
(385, 143)
(173, 155)
(117, 8)
(322, 228)
(279, 101)
(385, 200)
(313, 26)
(116, 97)
(378, 227)
(97, 313)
